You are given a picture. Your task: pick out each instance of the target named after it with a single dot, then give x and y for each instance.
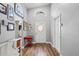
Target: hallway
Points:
(29, 26)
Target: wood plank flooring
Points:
(40, 49)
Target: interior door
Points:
(57, 33)
(40, 31)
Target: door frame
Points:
(54, 19)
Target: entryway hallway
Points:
(25, 29)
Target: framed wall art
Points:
(25, 26)
(18, 10)
(3, 8)
(10, 12)
(10, 27)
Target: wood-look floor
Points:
(40, 49)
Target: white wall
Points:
(6, 35)
(25, 18)
(24, 33)
(32, 19)
(70, 28)
(9, 35)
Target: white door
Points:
(40, 31)
(57, 33)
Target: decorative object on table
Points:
(3, 8)
(18, 10)
(25, 26)
(10, 12)
(10, 27)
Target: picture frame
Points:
(25, 26)
(10, 12)
(18, 10)
(10, 26)
(3, 8)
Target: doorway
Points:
(40, 31)
(57, 32)
(40, 26)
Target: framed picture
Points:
(18, 10)
(25, 26)
(10, 27)
(10, 12)
(3, 8)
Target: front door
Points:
(40, 31)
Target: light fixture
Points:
(40, 11)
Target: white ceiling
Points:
(33, 5)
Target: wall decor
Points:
(20, 27)
(25, 26)
(10, 27)
(3, 8)
(18, 10)
(10, 12)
